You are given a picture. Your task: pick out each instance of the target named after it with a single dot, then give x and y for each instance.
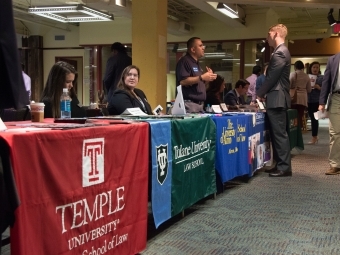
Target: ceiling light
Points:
(263, 49)
(70, 13)
(226, 10)
(121, 3)
(330, 18)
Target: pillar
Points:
(149, 48)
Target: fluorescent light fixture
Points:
(226, 10)
(121, 3)
(71, 13)
(263, 49)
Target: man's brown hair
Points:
(281, 29)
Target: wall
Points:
(105, 32)
(328, 46)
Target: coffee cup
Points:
(37, 112)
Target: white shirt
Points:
(27, 81)
(337, 83)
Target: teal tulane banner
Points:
(193, 161)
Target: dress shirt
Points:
(252, 87)
(337, 84)
(27, 81)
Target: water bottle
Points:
(208, 108)
(65, 105)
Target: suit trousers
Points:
(334, 131)
(277, 118)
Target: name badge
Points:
(195, 69)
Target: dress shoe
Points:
(333, 171)
(271, 170)
(279, 173)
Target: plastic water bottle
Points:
(65, 105)
(208, 108)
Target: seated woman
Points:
(127, 95)
(62, 75)
(214, 92)
(235, 97)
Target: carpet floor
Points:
(298, 215)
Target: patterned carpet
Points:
(298, 215)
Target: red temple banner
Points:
(82, 191)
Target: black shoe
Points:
(271, 170)
(279, 173)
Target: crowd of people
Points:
(273, 84)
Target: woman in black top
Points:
(214, 92)
(62, 75)
(127, 95)
(313, 100)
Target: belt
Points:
(194, 101)
(336, 92)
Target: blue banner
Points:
(231, 146)
(161, 151)
(259, 150)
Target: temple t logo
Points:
(162, 162)
(93, 161)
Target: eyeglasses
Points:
(132, 75)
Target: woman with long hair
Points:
(62, 75)
(313, 100)
(214, 91)
(127, 95)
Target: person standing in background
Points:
(276, 89)
(251, 94)
(313, 99)
(190, 75)
(27, 81)
(330, 91)
(301, 82)
(114, 67)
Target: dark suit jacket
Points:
(276, 84)
(114, 68)
(330, 77)
(12, 88)
(231, 98)
(121, 100)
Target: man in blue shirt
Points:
(190, 75)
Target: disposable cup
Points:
(37, 112)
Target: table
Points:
(80, 190)
(183, 169)
(243, 144)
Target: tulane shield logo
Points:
(162, 162)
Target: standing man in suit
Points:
(114, 67)
(331, 86)
(235, 97)
(276, 89)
